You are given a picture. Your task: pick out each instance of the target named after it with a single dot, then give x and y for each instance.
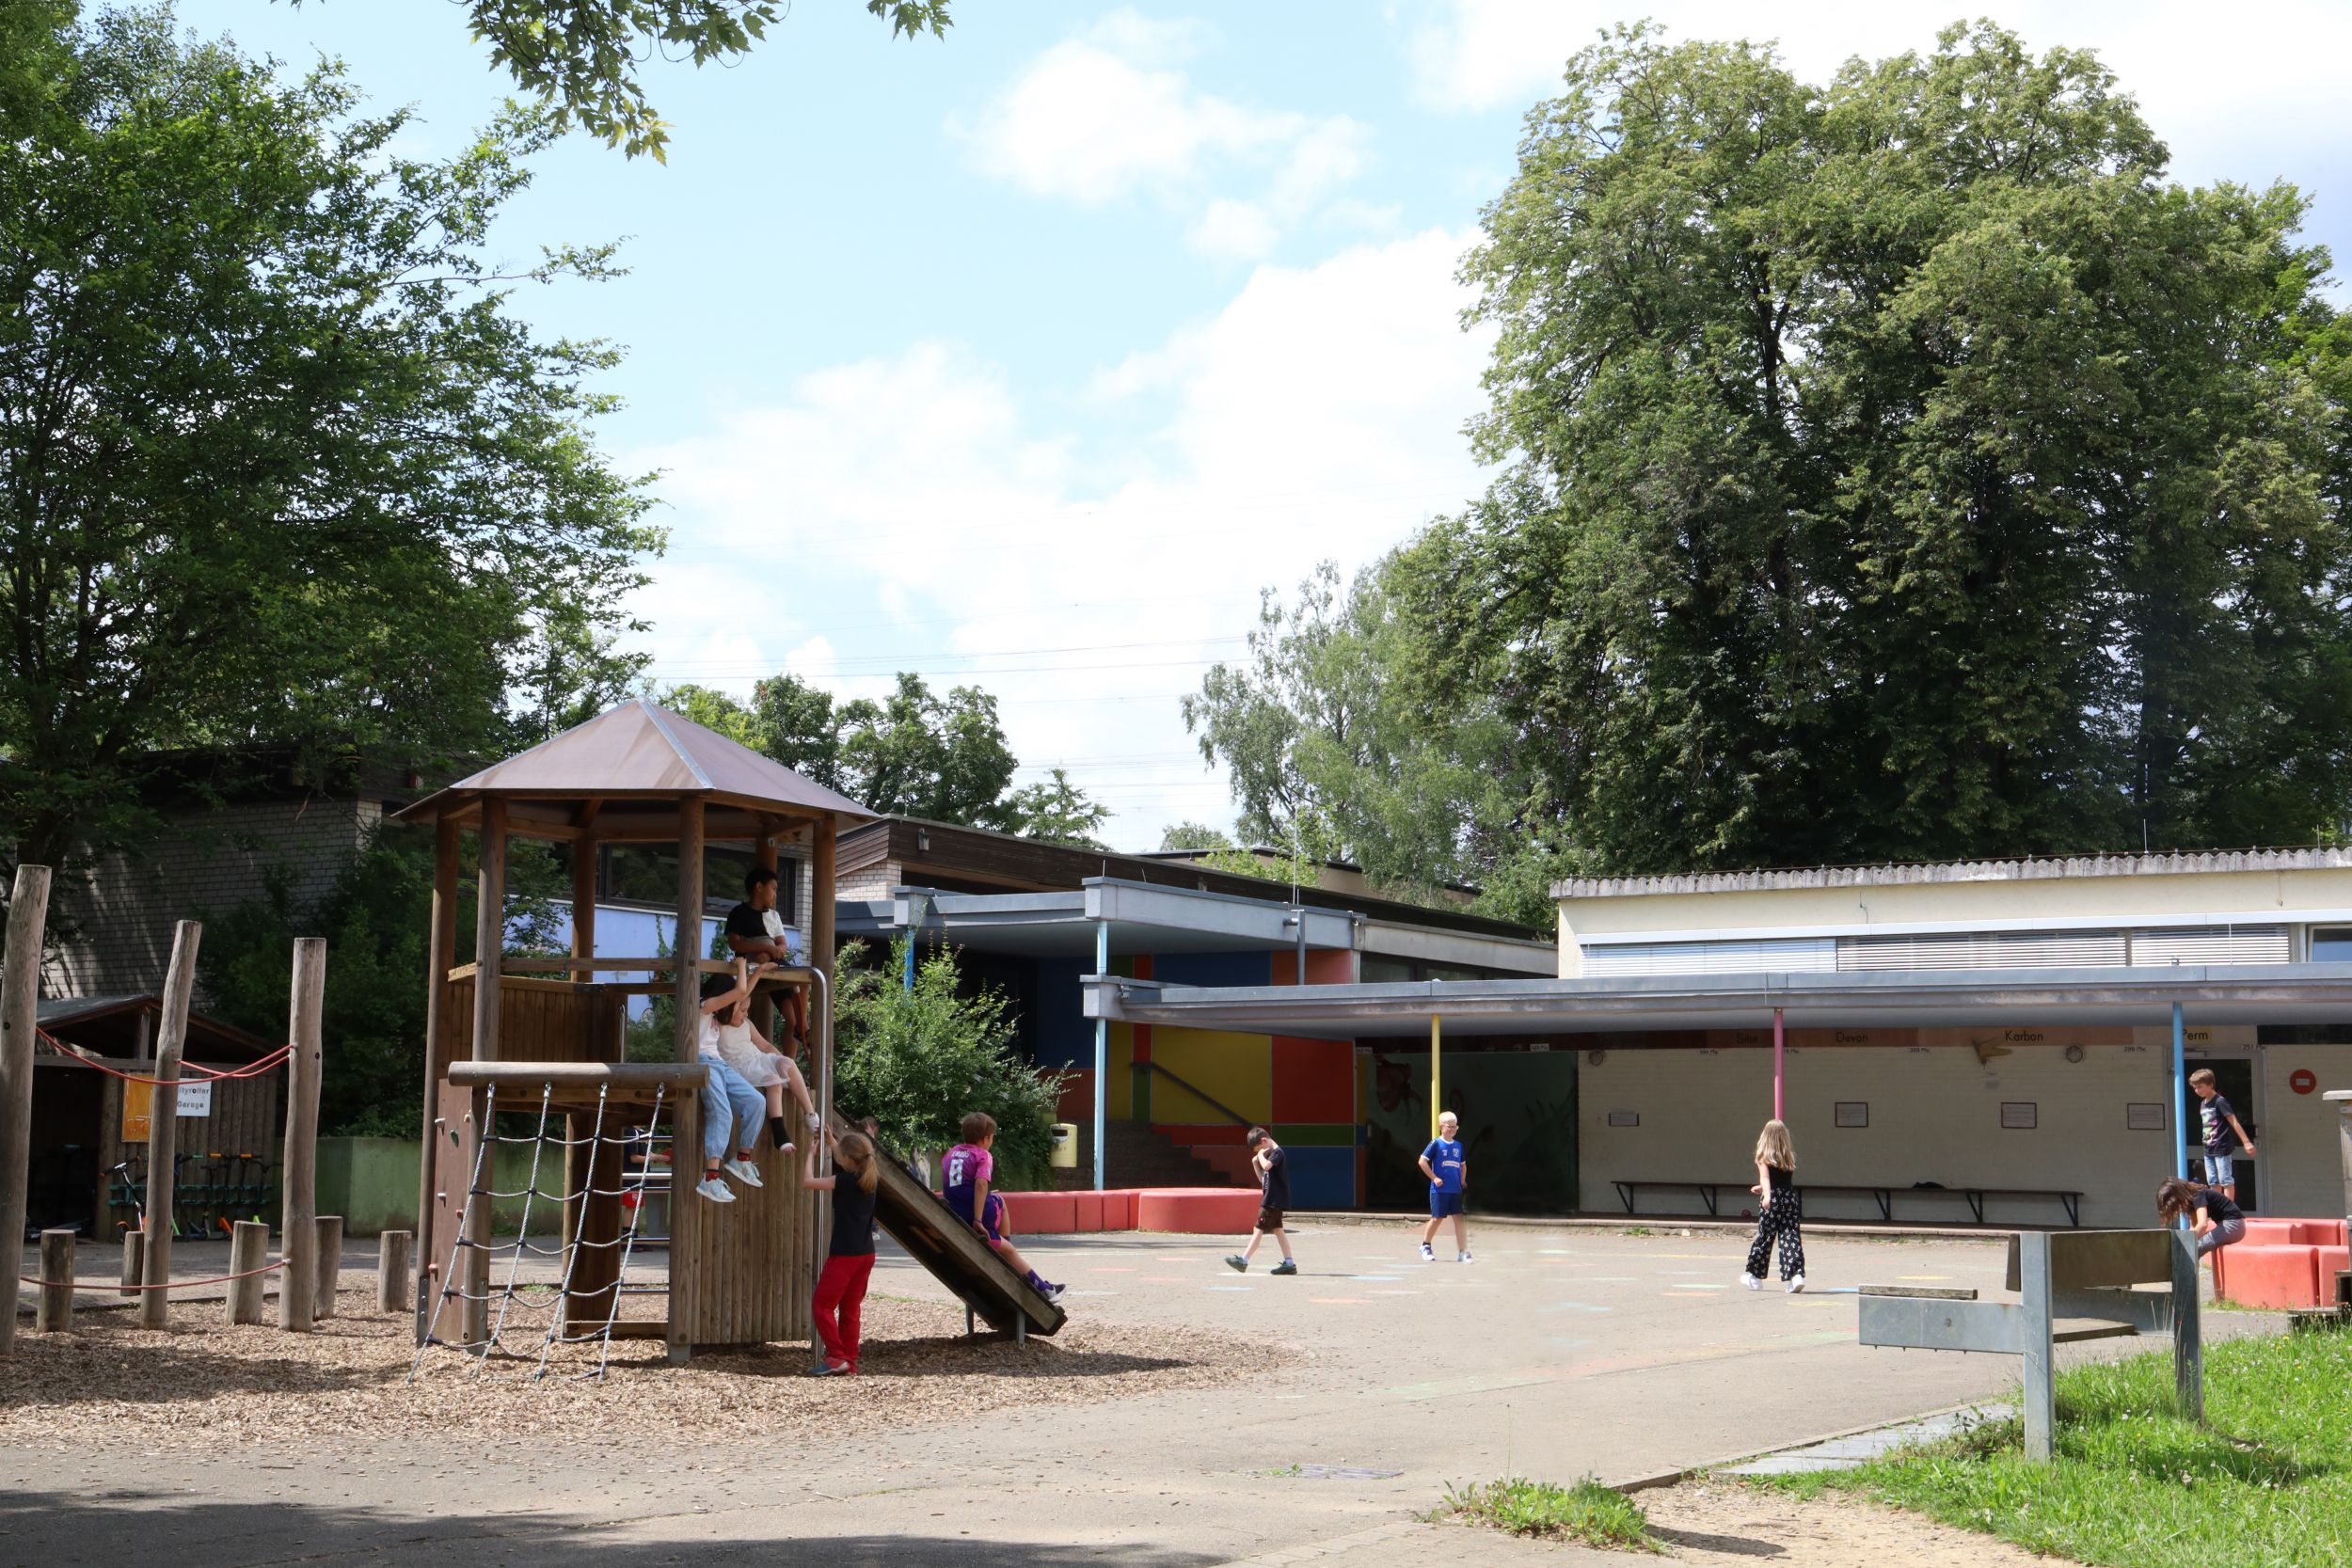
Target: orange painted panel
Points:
(1315, 1081)
(1326, 967)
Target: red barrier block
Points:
(2318, 1232)
(2274, 1232)
(2253, 1275)
(1118, 1211)
(1040, 1213)
(1086, 1212)
(2328, 1262)
(1197, 1210)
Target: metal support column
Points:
(2034, 1296)
(1101, 1054)
(1780, 1077)
(2180, 1088)
(2188, 1347)
(1436, 1101)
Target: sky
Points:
(1027, 357)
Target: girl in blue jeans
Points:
(733, 1111)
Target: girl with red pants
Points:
(849, 1261)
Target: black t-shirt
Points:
(853, 1218)
(1278, 1181)
(748, 922)
(2219, 1206)
(1782, 1180)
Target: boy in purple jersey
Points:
(966, 1172)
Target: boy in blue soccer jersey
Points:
(1449, 1174)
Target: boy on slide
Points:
(967, 1170)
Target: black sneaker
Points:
(1285, 1266)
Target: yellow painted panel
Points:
(1236, 1070)
(1122, 1061)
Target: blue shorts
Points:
(992, 1213)
(1444, 1205)
(2221, 1170)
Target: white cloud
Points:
(1317, 415)
(1104, 117)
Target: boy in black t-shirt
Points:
(755, 930)
(1273, 1168)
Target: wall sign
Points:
(2302, 1079)
(1625, 1118)
(2144, 1115)
(2018, 1115)
(1851, 1112)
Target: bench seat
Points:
(1711, 1194)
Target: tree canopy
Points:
(278, 465)
(1895, 468)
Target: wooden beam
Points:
(636, 1076)
(489, 929)
(20, 998)
(163, 1125)
(583, 899)
(297, 1285)
(563, 966)
(440, 1020)
(688, 941)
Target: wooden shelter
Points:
(741, 1273)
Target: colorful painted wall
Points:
(1518, 1110)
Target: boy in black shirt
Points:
(1273, 1169)
(755, 930)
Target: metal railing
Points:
(1201, 1095)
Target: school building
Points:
(1972, 1042)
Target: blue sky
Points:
(1027, 356)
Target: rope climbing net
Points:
(526, 1318)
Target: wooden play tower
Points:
(508, 1035)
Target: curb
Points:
(1670, 1478)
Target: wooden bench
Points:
(1711, 1194)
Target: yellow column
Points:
(1435, 1103)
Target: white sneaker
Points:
(743, 1171)
(815, 1125)
(1426, 1255)
(1462, 1258)
(1796, 1285)
(715, 1190)
(1751, 1281)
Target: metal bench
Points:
(1711, 1194)
(2071, 1286)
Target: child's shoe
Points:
(715, 1190)
(743, 1171)
(1236, 1262)
(1462, 1258)
(1796, 1286)
(1285, 1266)
(814, 1124)
(1051, 1292)
(1751, 1281)
(1426, 1255)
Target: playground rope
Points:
(167, 1284)
(190, 1073)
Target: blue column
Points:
(2180, 1083)
(1101, 1051)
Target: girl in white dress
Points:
(748, 1052)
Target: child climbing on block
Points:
(2225, 1135)
(967, 1171)
(731, 1107)
(754, 1060)
(2217, 1220)
(840, 1296)
(1782, 1215)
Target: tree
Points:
(582, 56)
(1194, 835)
(918, 1059)
(1895, 468)
(1056, 811)
(917, 754)
(799, 728)
(277, 465)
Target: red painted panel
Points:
(1076, 1104)
(1315, 1081)
(1324, 967)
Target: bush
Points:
(917, 1060)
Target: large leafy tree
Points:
(1896, 467)
(278, 465)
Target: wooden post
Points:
(163, 1125)
(133, 1255)
(2189, 1348)
(440, 1027)
(764, 859)
(392, 1293)
(19, 997)
(55, 1314)
(824, 869)
(298, 1285)
(248, 1250)
(489, 929)
(686, 1163)
(329, 1253)
(2035, 1297)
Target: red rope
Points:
(167, 1284)
(189, 1073)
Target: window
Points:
(2332, 944)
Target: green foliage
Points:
(283, 468)
(1056, 811)
(1194, 835)
(917, 1061)
(796, 727)
(2266, 1482)
(582, 56)
(1588, 1512)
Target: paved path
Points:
(1558, 1354)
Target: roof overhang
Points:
(1140, 918)
(2208, 993)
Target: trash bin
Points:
(1065, 1146)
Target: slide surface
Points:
(918, 1221)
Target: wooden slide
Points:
(920, 1222)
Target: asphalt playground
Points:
(1561, 1351)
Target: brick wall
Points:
(116, 925)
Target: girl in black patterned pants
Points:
(1783, 1213)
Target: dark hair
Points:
(2176, 1198)
(979, 1125)
(1255, 1136)
(717, 985)
(757, 874)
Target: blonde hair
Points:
(1773, 1149)
(854, 1153)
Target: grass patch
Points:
(1587, 1512)
(2267, 1482)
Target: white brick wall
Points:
(2297, 1135)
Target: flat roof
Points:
(2208, 993)
(1909, 874)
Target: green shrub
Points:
(1588, 1512)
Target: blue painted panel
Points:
(1213, 968)
(1321, 1178)
(1064, 1035)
